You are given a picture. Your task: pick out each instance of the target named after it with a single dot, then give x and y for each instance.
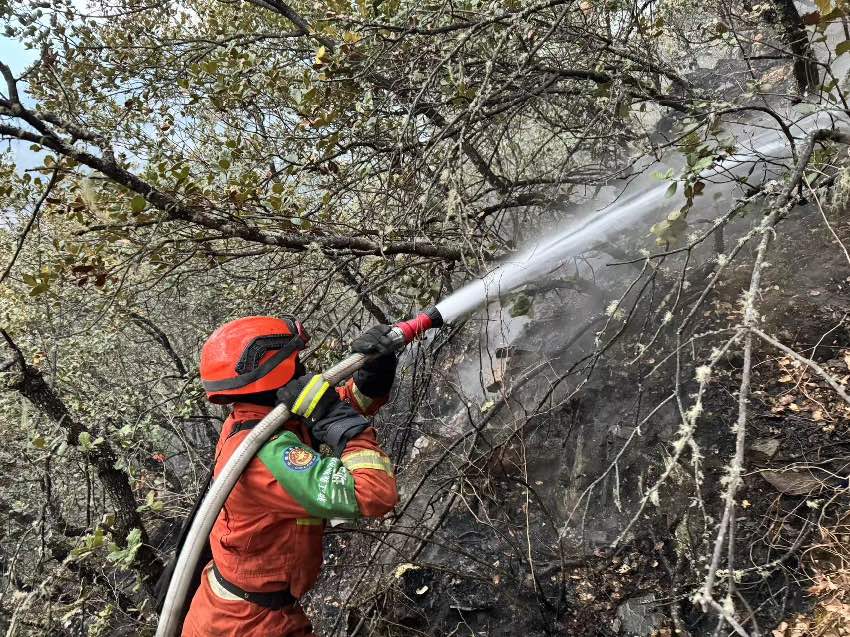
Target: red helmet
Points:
(250, 355)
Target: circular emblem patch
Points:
(299, 459)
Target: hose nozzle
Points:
(418, 325)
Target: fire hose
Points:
(171, 616)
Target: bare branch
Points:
(23, 236)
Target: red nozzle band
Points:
(416, 326)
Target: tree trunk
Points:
(805, 64)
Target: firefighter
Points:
(324, 463)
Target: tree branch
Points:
(434, 116)
(295, 18)
(367, 302)
(176, 210)
(23, 236)
(30, 383)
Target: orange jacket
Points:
(265, 538)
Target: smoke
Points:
(544, 254)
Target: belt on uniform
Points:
(276, 600)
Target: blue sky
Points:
(13, 54)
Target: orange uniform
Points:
(268, 536)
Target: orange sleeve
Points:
(372, 470)
(361, 402)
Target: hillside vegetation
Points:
(651, 439)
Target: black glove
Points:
(340, 424)
(329, 419)
(375, 379)
(375, 340)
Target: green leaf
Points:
(672, 228)
(151, 503)
(98, 539)
(224, 163)
(842, 47)
(137, 204)
(84, 440)
(126, 556)
(521, 306)
(702, 164)
(90, 543)
(39, 442)
(671, 189)
(277, 187)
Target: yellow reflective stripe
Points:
(308, 522)
(367, 459)
(319, 393)
(369, 465)
(304, 393)
(363, 401)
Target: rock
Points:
(791, 482)
(638, 617)
(766, 447)
(419, 446)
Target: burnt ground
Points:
(518, 481)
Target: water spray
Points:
(171, 616)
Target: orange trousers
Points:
(213, 615)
